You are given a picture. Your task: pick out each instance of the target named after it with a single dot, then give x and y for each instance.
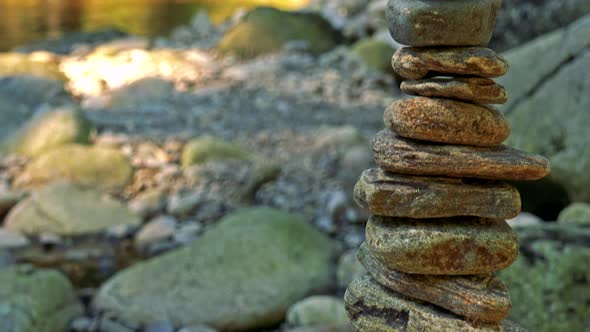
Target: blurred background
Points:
(188, 165)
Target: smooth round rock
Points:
(481, 298)
(447, 121)
(415, 63)
(449, 246)
(374, 308)
(399, 195)
(401, 155)
(442, 22)
(472, 89)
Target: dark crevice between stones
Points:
(395, 318)
(535, 199)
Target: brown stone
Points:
(472, 89)
(451, 246)
(447, 121)
(478, 298)
(374, 308)
(401, 155)
(417, 62)
(399, 195)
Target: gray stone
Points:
(8, 200)
(156, 230)
(66, 209)
(551, 76)
(12, 240)
(197, 328)
(159, 326)
(442, 22)
(36, 300)
(317, 310)
(349, 268)
(148, 202)
(241, 275)
(575, 213)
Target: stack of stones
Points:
(438, 233)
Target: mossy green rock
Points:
(577, 213)
(202, 150)
(548, 283)
(99, 167)
(51, 130)
(66, 209)
(40, 65)
(375, 54)
(35, 300)
(266, 30)
(241, 275)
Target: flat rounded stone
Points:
(473, 89)
(450, 246)
(399, 195)
(374, 308)
(415, 63)
(442, 22)
(478, 298)
(401, 155)
(447, 121)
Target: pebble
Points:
(399, 195)
(445, 246)
(148, 203)
(400, 155)
(373, 307)
(477, 298)
(187, 232)
(181, 204)
(160, 326)
(447, 121)
(158, 229)
(471, 89)
(442, 22)
(418, 62)
(12, 240)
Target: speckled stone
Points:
(400, 155)
(399, 195)
(447, 121)
(472, 89)
(478, 298)
(442, 22)
(374, 308)
(418, 62)
(445, 246)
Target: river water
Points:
(24, 21)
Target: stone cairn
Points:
(438, 233)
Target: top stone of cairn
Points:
(442, 22)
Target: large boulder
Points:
(99, 167)
(548, 283)
(266, 30)
(49, 131)
(66, 209)
(241, 275)
(520, 21)
(549, 88)
(35, 300)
